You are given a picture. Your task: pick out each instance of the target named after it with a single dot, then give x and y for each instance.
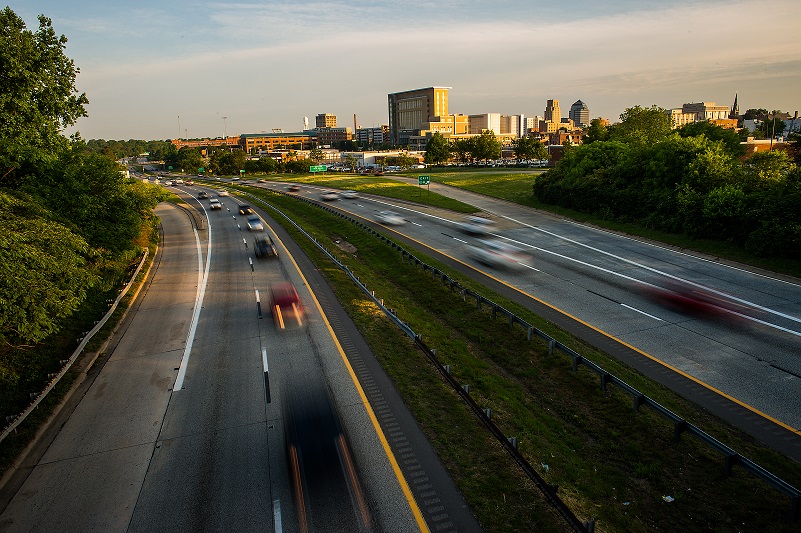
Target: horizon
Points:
(265, 65)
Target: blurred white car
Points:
(473, 225)
(255, 223)
(329, 196)
(215, 204)
(350, 194)
(499, 254)
(390, 218)
(223, 193)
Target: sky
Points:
(196, 68)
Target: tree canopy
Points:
(37, 93)
(438, 150)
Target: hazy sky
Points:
(266, 64)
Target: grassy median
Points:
(624, 470)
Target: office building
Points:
(325, 120)
(411, 111)
(580, 114)
(552, 111)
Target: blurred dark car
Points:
(245, 209)
(264, 247)
(326, 487)
(202, 195)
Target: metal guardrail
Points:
(731, 458)
(14, 422)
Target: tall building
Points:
(580, 114)
(552, 111)
(325, 120)
(411, 111)
(484, 122)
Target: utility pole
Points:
(225, 123)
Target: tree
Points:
(642, 126)
(438, 150)
(713, 132)
(37, 93)
(597, 131)
(317, 155)
(486, 146)
(753, 114)
(530, 148)
(43, 272)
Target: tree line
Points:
(695, 180)
(71, 221)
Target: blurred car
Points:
(350, 194)
(223, 193)
(692, 299)
(329, 196)
(179, 182)
(326, 486)
(215, 204)
(190, 182)
(260, 180)
(255, 223)
(499, 254)
(294, 188)
(245, 209)
(473, 225)
(390, 218)
(285, 305)
(202, 195)
(168, 183)
(265, 247)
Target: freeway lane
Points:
(602, 279)
(210, 455)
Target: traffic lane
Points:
(430, 484)
(211, 453)
(91, 474)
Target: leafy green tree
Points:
(37, 93)
(438, 150)
(462, 148)
(530, 148)
(753, 114)
(713, 132)
(188, 159)
(316, 155)
(486, 146)
(639, 125)
(596, 131)
(44, 272)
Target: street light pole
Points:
(225, 123)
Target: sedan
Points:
(202, 195)
(474, 225)
(255, 223)
(245, 209)
(499, 254)
(265, 247)
(329, 196)
(285, 305)
(223, 193)
(390, 218)
(215, 204)
(350, 194)
(294, 188)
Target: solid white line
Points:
(202, 281)
(277, 516)
(642, 312)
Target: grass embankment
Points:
(609, 463)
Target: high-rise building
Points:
(411, 111)
(325, 120)
(484, 122)
(552, 111)
(580, 114)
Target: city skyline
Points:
(248, 67)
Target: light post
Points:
(225, 124)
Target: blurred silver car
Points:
(390, 218)
(255, 223)
(499, 254)
(473, 225)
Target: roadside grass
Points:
(609, 463)
(516, 187)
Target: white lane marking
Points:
(662, 273)
(258, 300)
(642, 312)
(277, 516)
(529, 267)
(264, 359)
(203, 280)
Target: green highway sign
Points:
(200, 169)
(241, 171)
(318, 168)
(423, 180)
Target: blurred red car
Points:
(285, 305)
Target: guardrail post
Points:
(494, 311)
(730, 460)
(513, 442)
(551, 346)
(577, 359)
(638, 401)
(604, 380)
(678, 429)
(466, 388)
(488, 412)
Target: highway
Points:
(744, 356)
(206, 416)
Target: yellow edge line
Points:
(624, 343)
(418, 516)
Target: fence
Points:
(731, 456)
